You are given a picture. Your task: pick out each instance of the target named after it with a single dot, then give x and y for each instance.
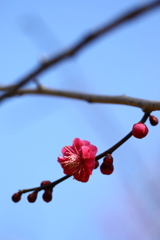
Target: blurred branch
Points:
(35, 80)
(82, 43)
(145, 105)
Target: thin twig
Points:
(145, 105)
(82, 43)
(50, 185)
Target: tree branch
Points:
(82, 43)
(110, 151)
(145, 105)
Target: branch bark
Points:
(146, 105)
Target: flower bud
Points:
(32, 197)
(16, 197)
(139, 130)
(47, 196)
(107, 170)
(153, 120)
(46, 183)
(108, 160)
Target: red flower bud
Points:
(46, 183)
(153, 120)
(47, 196)
(16, 197)
(108, 160)
(107, 170)
(32, 197)
(139, 130)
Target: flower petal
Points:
(82, 175)
(70, 167)
(61, 159)
(90, 163)
(94, 149)
(77, 144)
(85, 143)
(85, 152)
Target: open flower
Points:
(79, 159)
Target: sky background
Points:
(124, 205)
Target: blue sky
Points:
(34, 129)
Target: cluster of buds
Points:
(140, 130)
(47, 195)
(107, 165)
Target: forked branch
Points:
(82, 43)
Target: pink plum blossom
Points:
(79, 159)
